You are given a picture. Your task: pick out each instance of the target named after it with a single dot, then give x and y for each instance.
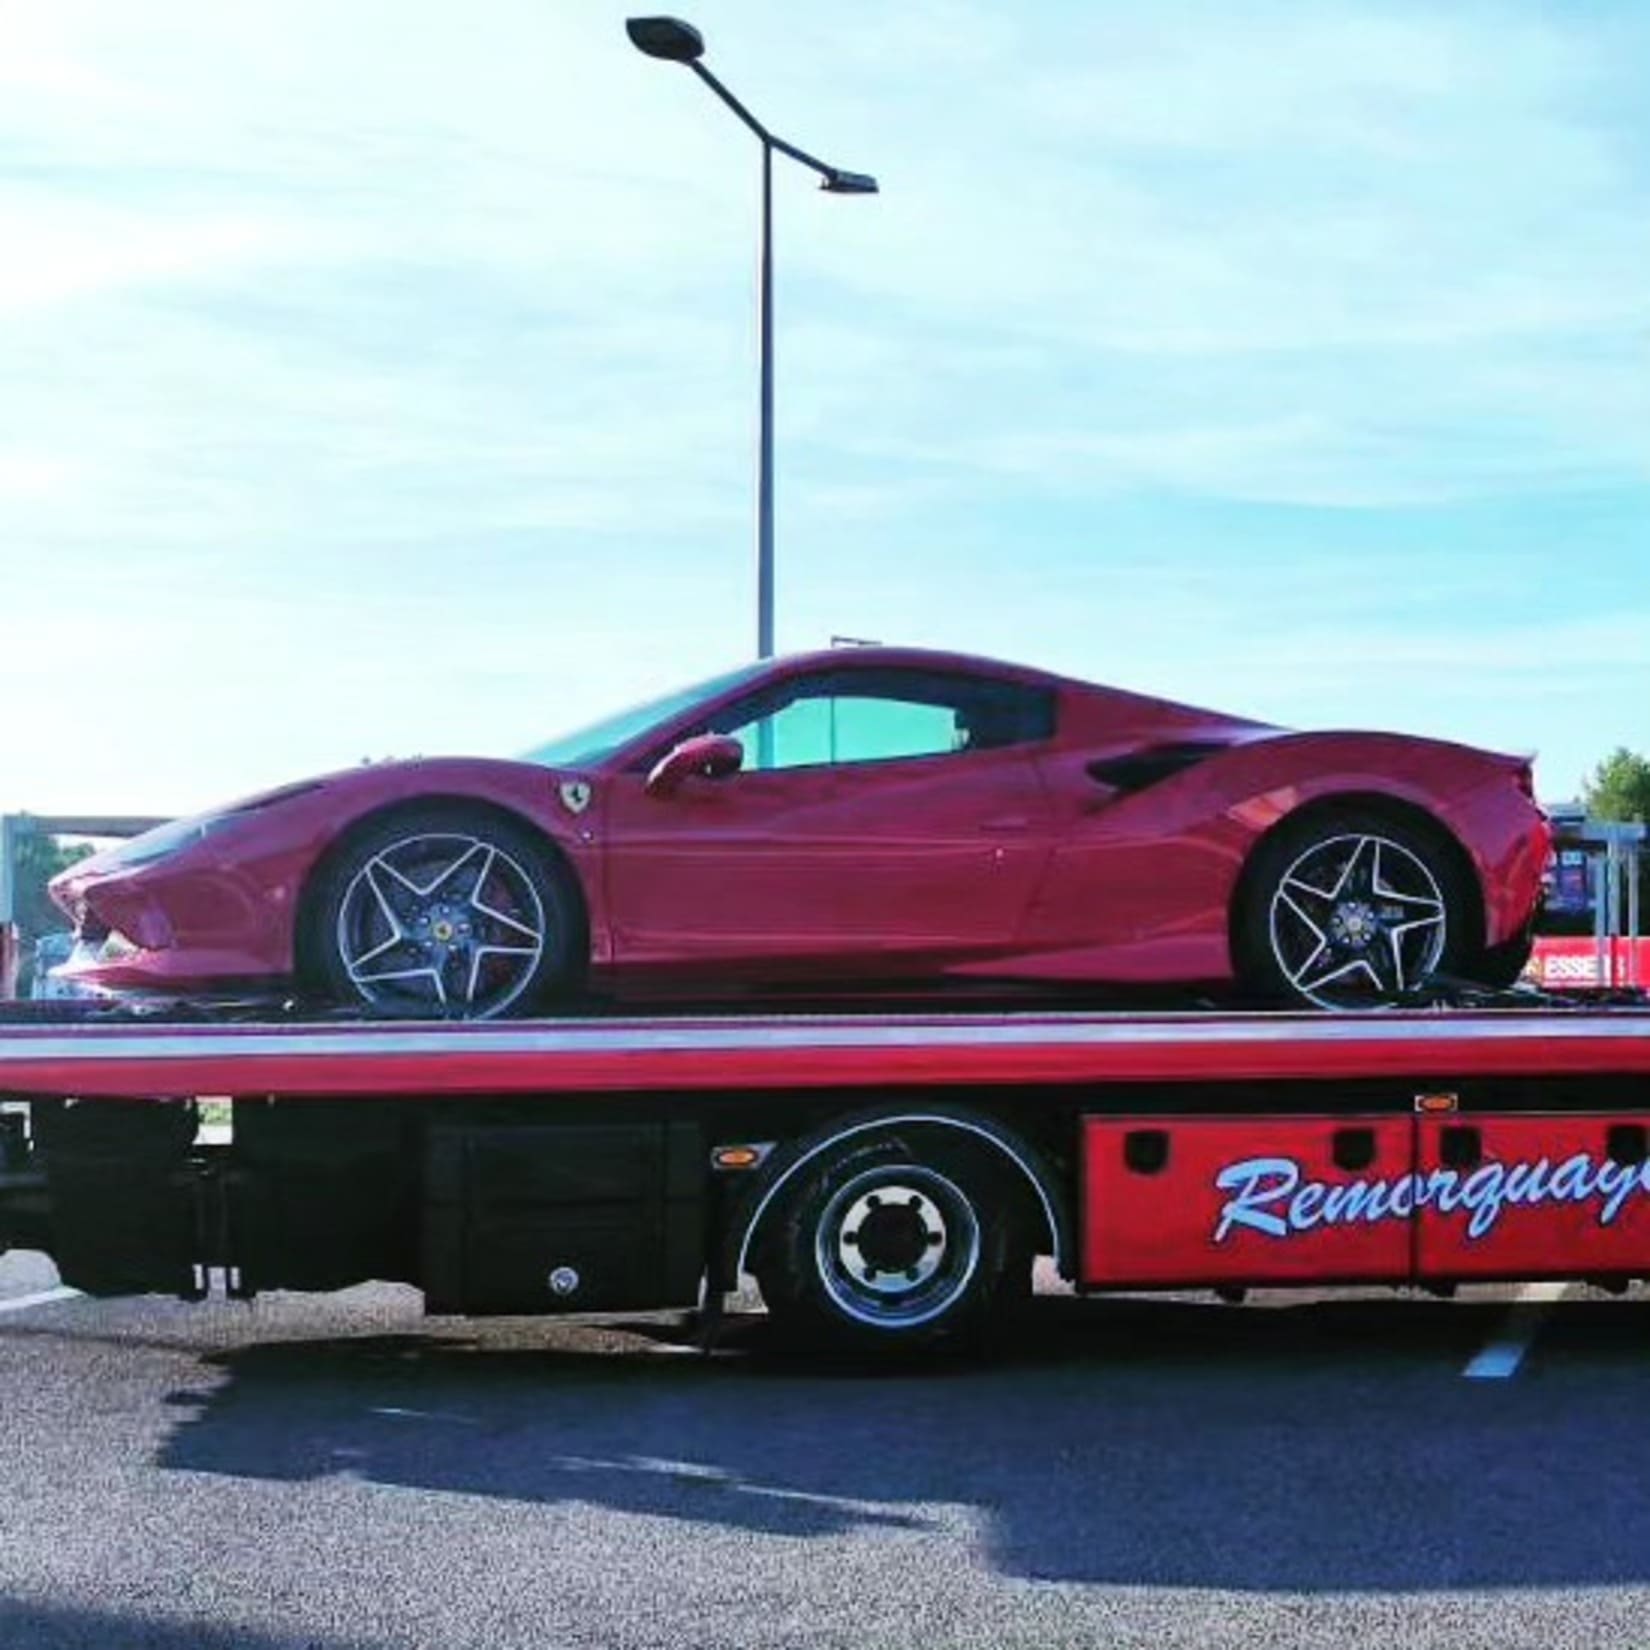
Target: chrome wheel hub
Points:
(1353, 924)
(897, 1246)
(1356, 921)
(891, 1239)
(450, 924)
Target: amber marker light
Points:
(1431, 1104)
(736, 1157)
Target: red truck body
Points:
(1146, 1151)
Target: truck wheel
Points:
(882, 1249)
(1349, 909)
(442, 911)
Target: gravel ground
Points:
(332, 1472)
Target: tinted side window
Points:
(841, 717)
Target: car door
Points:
(886, 823)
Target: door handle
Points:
(1006, 825)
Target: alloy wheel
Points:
(445, 924)
(1356, 921)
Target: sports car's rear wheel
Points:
(441, 913)
(1503, 965)
(1350, 910)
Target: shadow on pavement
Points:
(47, 1627)
(1321, 1447)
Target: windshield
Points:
(600, 739)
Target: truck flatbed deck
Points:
(753, 1052)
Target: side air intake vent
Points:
(1140, 769)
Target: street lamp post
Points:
(674, 41)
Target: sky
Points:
(379, 378)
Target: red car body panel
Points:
(1013, 863)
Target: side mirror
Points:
(709, 756)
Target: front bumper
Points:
(169, 975)
(183, 927)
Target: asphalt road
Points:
(332, 1472)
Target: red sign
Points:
(1570, 962)
(1201, 1200)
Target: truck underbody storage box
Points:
(577, 1217)
(325, 1194)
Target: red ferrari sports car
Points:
(842, 822)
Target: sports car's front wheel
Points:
(441, 912)
(1349, 910)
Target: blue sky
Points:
(377, 378)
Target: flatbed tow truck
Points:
(887, 1177)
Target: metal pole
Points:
(1601, 916)
(679, 42)
(13, 829)
(1635, 860)
(1621, 885)
(11, 832)
(764, 439)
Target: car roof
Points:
(861, 656)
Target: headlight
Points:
(173, 838)
(165, 840)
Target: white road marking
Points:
(41, 1297)
(1502, 1356)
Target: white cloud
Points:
(106, 251)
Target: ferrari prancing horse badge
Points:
(575, 795)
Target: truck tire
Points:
(890, 1249)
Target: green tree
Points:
(39, 859)
(1619, 787)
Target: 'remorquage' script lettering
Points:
(1272, 1195)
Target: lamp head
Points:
(668, 38)
(838, 182)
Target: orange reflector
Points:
(735, 1157)
(1431, 1103)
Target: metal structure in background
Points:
(1617, 856)
(1617, 866)
(15, 830)
(673, 41)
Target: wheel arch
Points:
(1401, 811)
(1048, 1196)
(303, 936)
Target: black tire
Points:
(1502, 966)
(935, 1204)
(1378, 948)
(500, 933)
